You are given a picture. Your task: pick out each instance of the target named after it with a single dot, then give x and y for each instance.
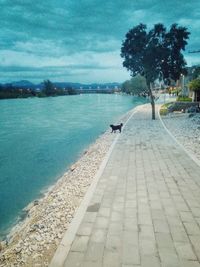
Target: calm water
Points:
(40, 138)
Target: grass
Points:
(184, 99)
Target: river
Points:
(41, 137)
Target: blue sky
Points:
(80, 40)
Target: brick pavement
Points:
(145, 211)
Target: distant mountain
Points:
(28, 84)
(23, 84)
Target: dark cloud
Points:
(44, 32)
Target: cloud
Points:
(81, 35)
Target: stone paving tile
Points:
(145, 211)
(91, 264)
(190, 264)
(98, 235)
(150, 261)
(169, 257)
(192, 228)
(130, 254)
(164, 240)
(185, 251)
(80, 243)
(74, 259)
(85, 229)
(94, 252)
(111, 259)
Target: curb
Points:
(65, 244)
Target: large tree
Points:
(155, 54)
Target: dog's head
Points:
(121, 124)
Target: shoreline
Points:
(34, 240)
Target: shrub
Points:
(184, 99)
(164, 109)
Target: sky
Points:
(80, 40)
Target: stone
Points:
(72, 168)
(18, 249)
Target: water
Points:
(40, 138)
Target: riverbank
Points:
(34, 241)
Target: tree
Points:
(49, 88)
(196, 72)
(155, 54)
(194, 85)
(136, 85)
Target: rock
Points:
(1, 246)
(59, 236)
(38, 238)
(72, 168)
(36, 202)
(18, 249)
(34, 247)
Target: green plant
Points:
(184, 99)
(164, 109)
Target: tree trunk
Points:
(152, 99)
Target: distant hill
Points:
(28, 84)
(23, 84)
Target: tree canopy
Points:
(49, 88)
(156, 52)
(196, 72)
(194, 85)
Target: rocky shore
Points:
(34, 241)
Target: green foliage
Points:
(71, 91)
(184, 99)
(176, 91)
(135, 86)
(194, 85)
(49, 88)
(10, 91)
(155, 54)
(164, 109)
(196, 72)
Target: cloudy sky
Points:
(80, 40)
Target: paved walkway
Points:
(145, 211)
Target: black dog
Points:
(116, 127)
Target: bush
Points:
(184, 99)
(164, 109)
